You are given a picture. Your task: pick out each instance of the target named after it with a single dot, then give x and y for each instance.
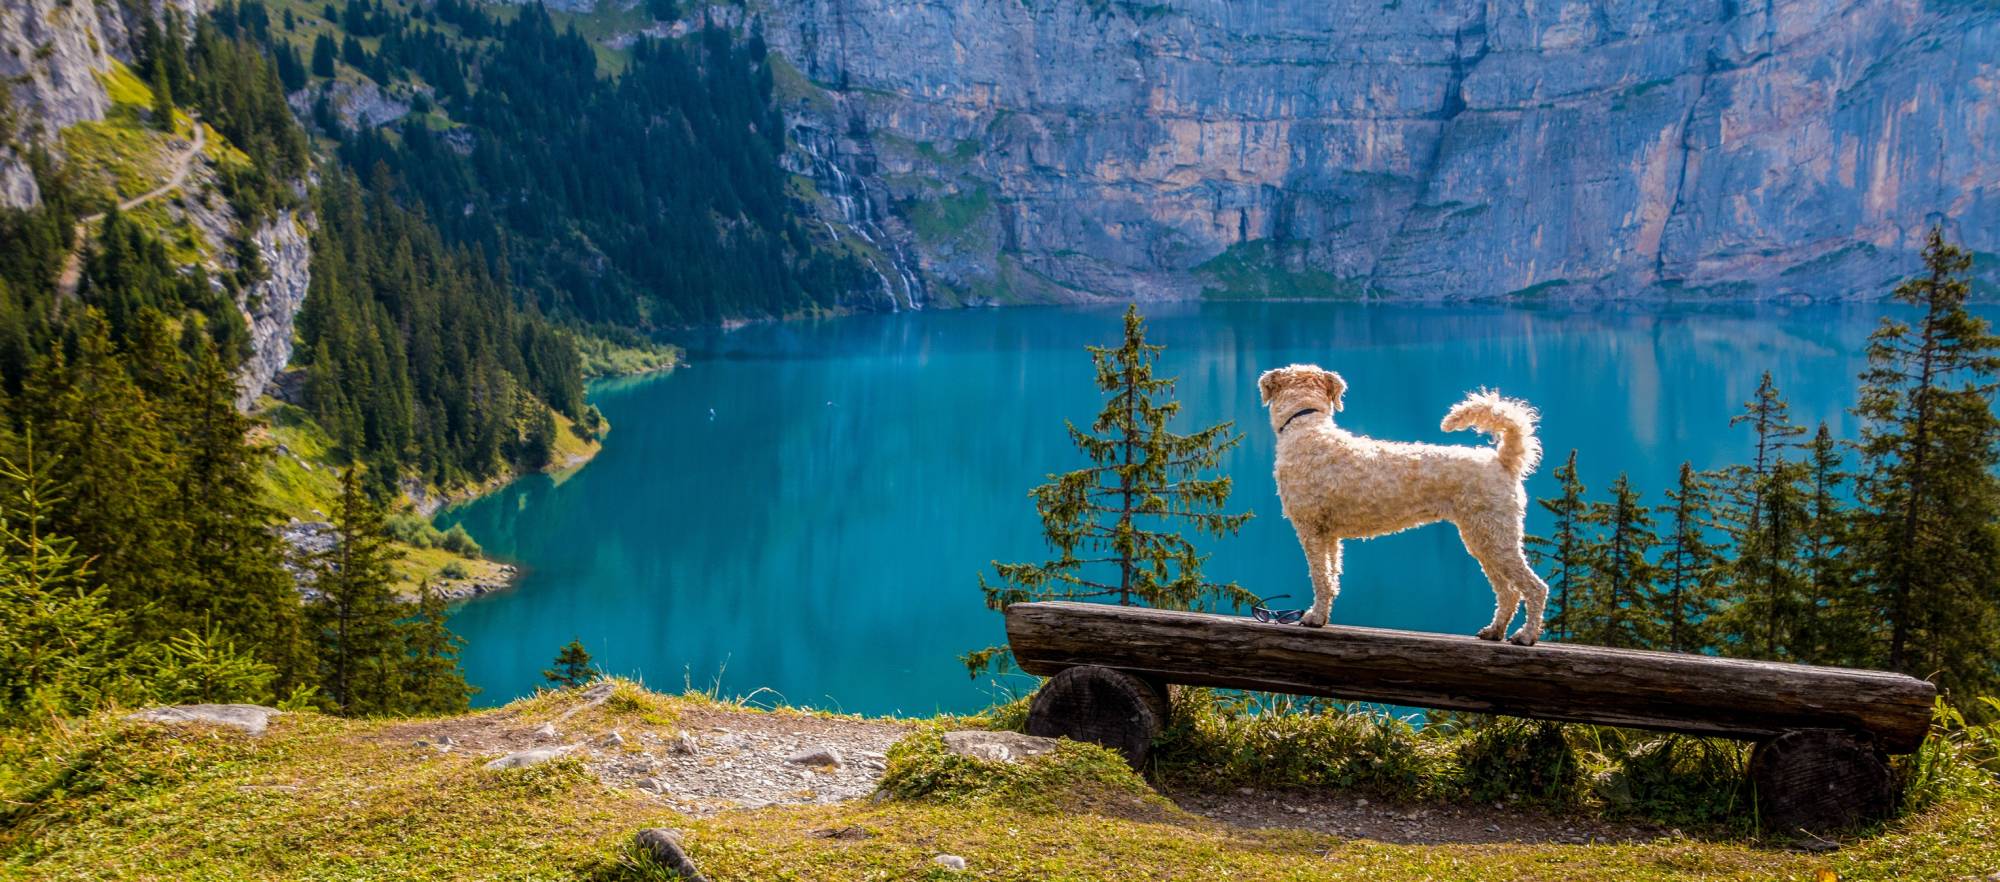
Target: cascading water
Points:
(850, 197)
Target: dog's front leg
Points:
(1323, 557)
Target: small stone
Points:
(522, 759)
(685, 744)
(652, 785)
(599, 691)
(949, 862)
(1492, 828)
(816, 756)
(613, 739)
(1246, 791)
(1361, 803)
(546, 732)
(664, 847)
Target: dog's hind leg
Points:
(1534, 591)
(1323, 558)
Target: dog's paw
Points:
(1523, 638)
(1313, 619)
(1488, 633)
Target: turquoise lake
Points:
(806, 506)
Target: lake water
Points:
(805, 507)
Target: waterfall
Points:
(849, 195)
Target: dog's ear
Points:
(1335, 386)
(1267, 385)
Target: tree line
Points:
(653, 198)
(1878, 551)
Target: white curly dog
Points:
(1337, 485)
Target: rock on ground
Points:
(1000, 747)
(249, 718)
(522, 759)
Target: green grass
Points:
(302, 480)
(124, 154)
(1261, 269)
(606, 358)
(950, 216)
(324, 798)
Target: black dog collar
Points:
(1288, 420)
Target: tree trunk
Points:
(1102, 706)
(1820, 781)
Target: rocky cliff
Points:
(1062, 148)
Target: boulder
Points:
(249, 718)
(547, 732)
(816, 756)
(999, 747)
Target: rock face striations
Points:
(1054, 149)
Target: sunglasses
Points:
(1264, 613)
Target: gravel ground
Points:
(714, 759)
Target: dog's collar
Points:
(1288, 420)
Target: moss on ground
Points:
(323, 798)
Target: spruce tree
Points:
(163, 100)
(1615, 610)
(1115, 524)
(572, 667)
(1561, 554)
(241, 583)
(1929, 444)
(355, 617)
(1835, 626)
(433, 681)
(1764, 512)
(1689, 565)
(64, 648)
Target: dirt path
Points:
(72, 270)
(712, 759)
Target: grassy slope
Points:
(324, 798)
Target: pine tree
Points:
(572, 667)
(1561, 555)
(433, 681)
(163, 100)
(205, 667)
(355, 617)
(1764, 514)
(241, 585)
(1690, 565)
(1615, 610)
(322, 57)
(1835, 627)
(63, 648)
(1112, 524)
(1929, 444)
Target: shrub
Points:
(920, 767)
(459, 542)
(1519, 758)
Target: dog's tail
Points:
(1510, 421)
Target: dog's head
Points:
(1288, 390)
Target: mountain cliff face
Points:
(53, 53)
(1048, 149)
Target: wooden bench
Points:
(1822, 734)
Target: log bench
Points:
(1823, 734)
